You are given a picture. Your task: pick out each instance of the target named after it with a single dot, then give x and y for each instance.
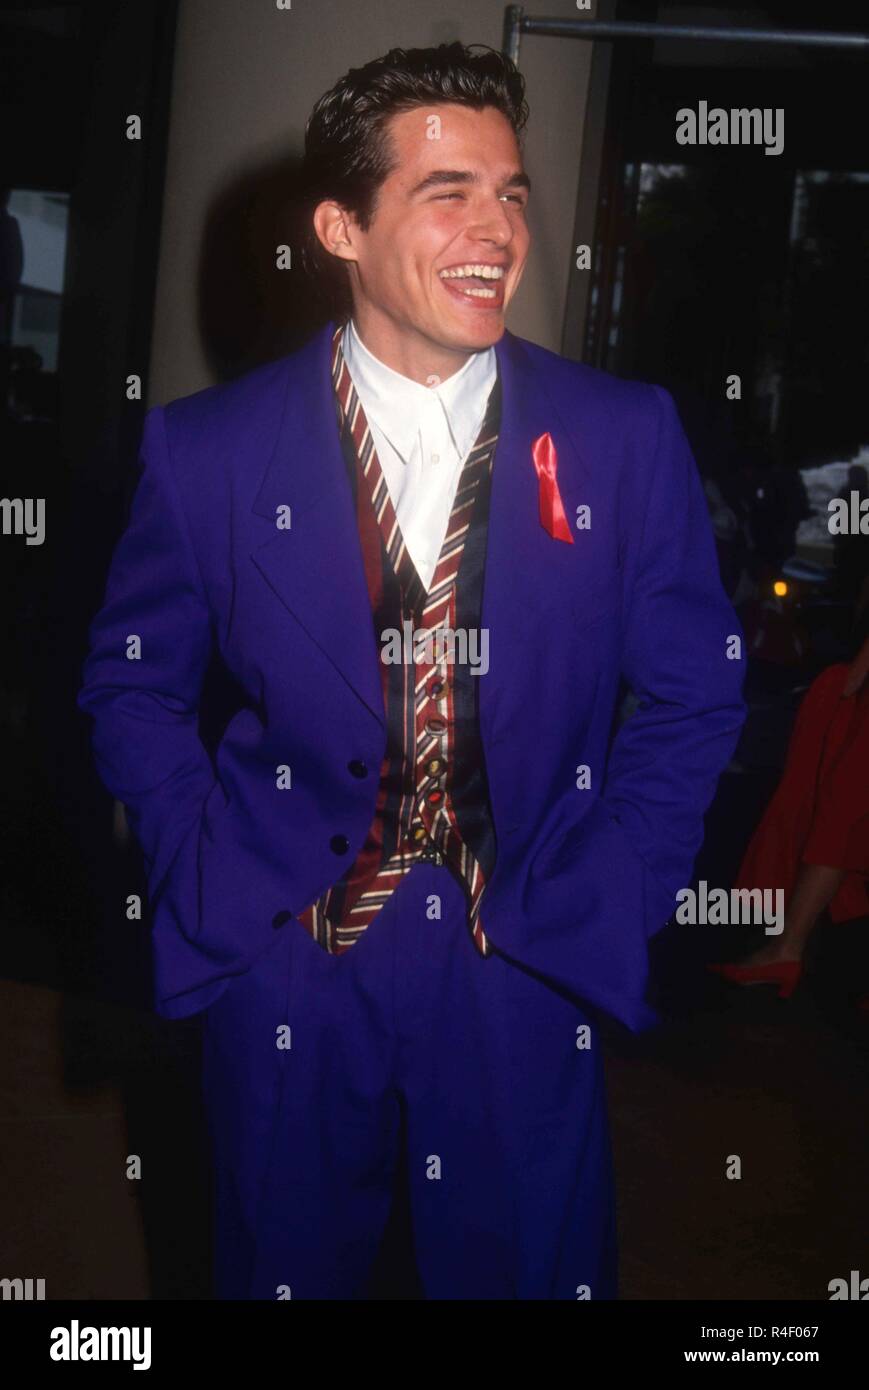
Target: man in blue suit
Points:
(428, 551)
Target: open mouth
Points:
(478, 286)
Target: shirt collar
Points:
(401, 407)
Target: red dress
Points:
(820, 811)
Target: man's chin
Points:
(474, 337)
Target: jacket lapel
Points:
(529, 576)
(316, 567)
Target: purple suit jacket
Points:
(583, 877)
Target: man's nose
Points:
(492, 224)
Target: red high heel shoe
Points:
(784, 973)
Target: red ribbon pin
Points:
(551, 507)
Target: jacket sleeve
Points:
(149, 647)
(683, 656)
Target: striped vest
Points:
(432, 801)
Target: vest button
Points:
(434, 687)
(434, 796)
(435, 766)
(339, 844)
(436, 724)
(357, 767)
(418, 833)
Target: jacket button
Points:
(280, 919)
(357, 767)
(339, 844)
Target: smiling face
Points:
(446, 249)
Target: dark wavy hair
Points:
(348, 151)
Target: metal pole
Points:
(516, 23)
(512, 30)
(614, 29)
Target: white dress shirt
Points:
(422, 435)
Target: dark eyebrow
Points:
(438, 177)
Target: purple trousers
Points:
(307, 1061)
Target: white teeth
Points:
(479, 294)
(480, 272)
(485, 272)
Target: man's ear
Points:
(334, 228)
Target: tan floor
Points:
(68, 1212)
(788, 1095)
(774, 1085)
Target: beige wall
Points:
(246, 76)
